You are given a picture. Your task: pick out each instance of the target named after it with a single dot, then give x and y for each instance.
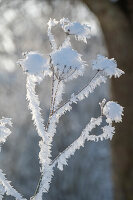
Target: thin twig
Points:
(52, 94)
(77, 92)
(38, 185)
(67, 148)
(55, 96)
(51, 104)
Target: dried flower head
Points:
(67, 62)
(81, 31)
(34, 64)
(113, 111)
(108, 66)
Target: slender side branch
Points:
(34, 106)
(52, 41)
(33, 100)
(8, 188)
(55, 96)
(52, 95)
(84, 92)
(95, 81)
(61, 159)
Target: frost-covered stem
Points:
(93, 83)
(50, 35)
(52, 94)
(44, 184)
(8, 188)
(76, 94)
(57, 90)
(34, 106)
(96, 80)
(55, 96)
(57, 93)
(38, 185)
(33, 100)
(70, 150)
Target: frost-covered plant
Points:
(5, 186)
(63, 65)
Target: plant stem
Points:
(77, 92)
(38, 186)
(55, 95)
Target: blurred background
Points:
(100, 171)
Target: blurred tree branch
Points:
(117, 24)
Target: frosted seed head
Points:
(108, 66)
(67, 62)
(81, 31)
(34, 64)
(113, 111)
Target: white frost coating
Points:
(2, 191)
(80, 96)
(108, 132)
(70, 150)
(46, 149)
(5, 186)
(51, 24)
(4, 131)
(108, 66)
(45, 182)
(74, 99)
(58, 94)
(81, 31)
(113, 111)
(34, 106)
(8, 188)
(67, 62)
(34, 64)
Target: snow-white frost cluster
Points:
(108, 66)
(80, 31)
(67, 62)
(5, 186)
(113, 111)
(64, 64)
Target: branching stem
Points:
(77, 92)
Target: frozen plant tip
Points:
(80, 31)
(64, 64)
(108, 66)
(67, 62)
(34, 63)
(5, 186)
(113, 111)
